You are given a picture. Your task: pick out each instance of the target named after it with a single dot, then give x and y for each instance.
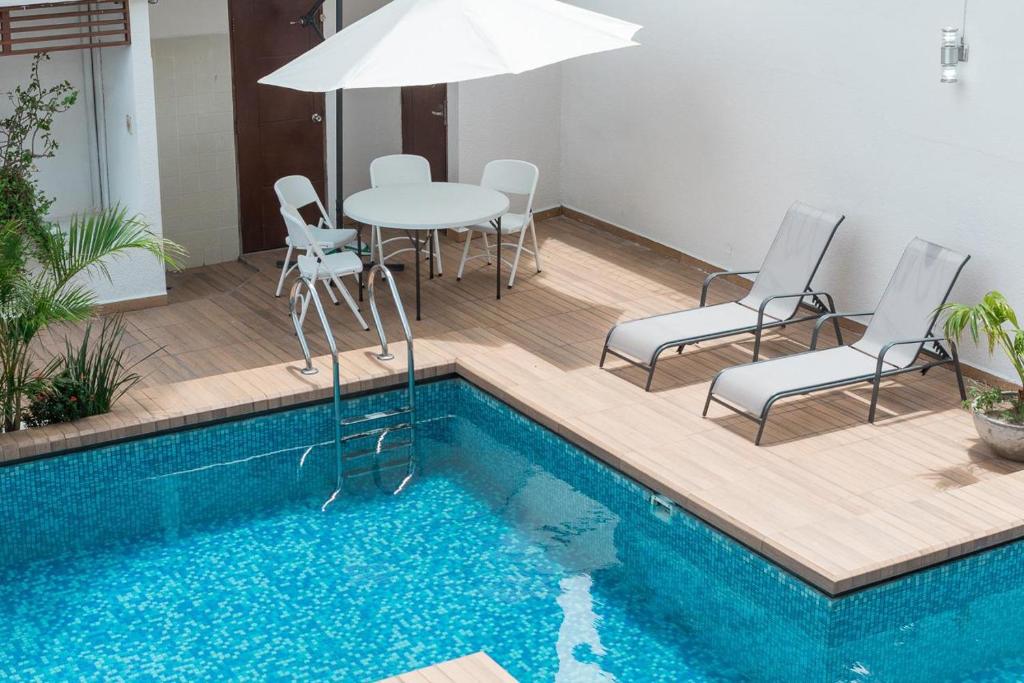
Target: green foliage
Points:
(59, 402)
(994, 402)
(26, 135)
(90, 377)
(49, 290)
(994, 319)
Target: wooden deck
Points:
(475, 668)
(837, 501)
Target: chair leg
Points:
(465, 254)
(380, 246)
(536, 247)
(650, 375)
(875, 386)
(604, 355)
(284, 271)
(334, 299)
(437, 252)
(959, 372)
(349, 300)
(487, 247)
(515, 261)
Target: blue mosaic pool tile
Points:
(204, 555)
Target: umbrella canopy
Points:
(423, 42)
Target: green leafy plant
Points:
(26, 136)
(90, 377)
(49, 288)
(995, 319)
(58, 402)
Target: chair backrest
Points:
(399, 169)
(297, 191)
(910, 304)
(793, 258)
(512, 176)
(298, 231)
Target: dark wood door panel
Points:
(425, 126)
(278, 131)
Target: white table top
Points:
(426, 206)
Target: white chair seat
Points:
(511, 223)
(329, 238)
(339, 263)
(750, 387)
(643, 339)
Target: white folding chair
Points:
(517, 178)
(331, 267)
(399, 169)
(297, 191)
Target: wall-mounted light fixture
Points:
(954, 50)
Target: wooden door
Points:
(278, 132)
(425, 126)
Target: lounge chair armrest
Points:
(764, 304)
(832, 316)
(904, 342)
(711, 278)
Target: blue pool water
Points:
(204, 555)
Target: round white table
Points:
(426, 208)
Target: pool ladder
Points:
(303, 293)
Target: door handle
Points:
(317, 118)
(439, 112)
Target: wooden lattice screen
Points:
(56, 26)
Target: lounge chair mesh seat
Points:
(787, 271)
(907, 312)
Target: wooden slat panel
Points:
(74, 26)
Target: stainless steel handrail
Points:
(294, 298)
(384, 353)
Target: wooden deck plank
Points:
(474, 668)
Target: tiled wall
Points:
(195, 128)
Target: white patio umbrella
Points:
(423, 42)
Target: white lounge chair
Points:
(900, 328)
(782, 283)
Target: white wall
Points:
(701, 138)
(196, 128)
(131, 146)
(177, 18)
(511, 117)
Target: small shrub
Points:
(90, 377)
(59, 402)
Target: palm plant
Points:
(43, 281)
(994, 318)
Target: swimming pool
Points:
(204, 554)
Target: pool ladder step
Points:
(373, 417)
(376, 432)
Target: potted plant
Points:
(998, 414)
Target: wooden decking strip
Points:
(839, 502)
(475, 668)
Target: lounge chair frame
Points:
(938, 354)
(757, 330)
